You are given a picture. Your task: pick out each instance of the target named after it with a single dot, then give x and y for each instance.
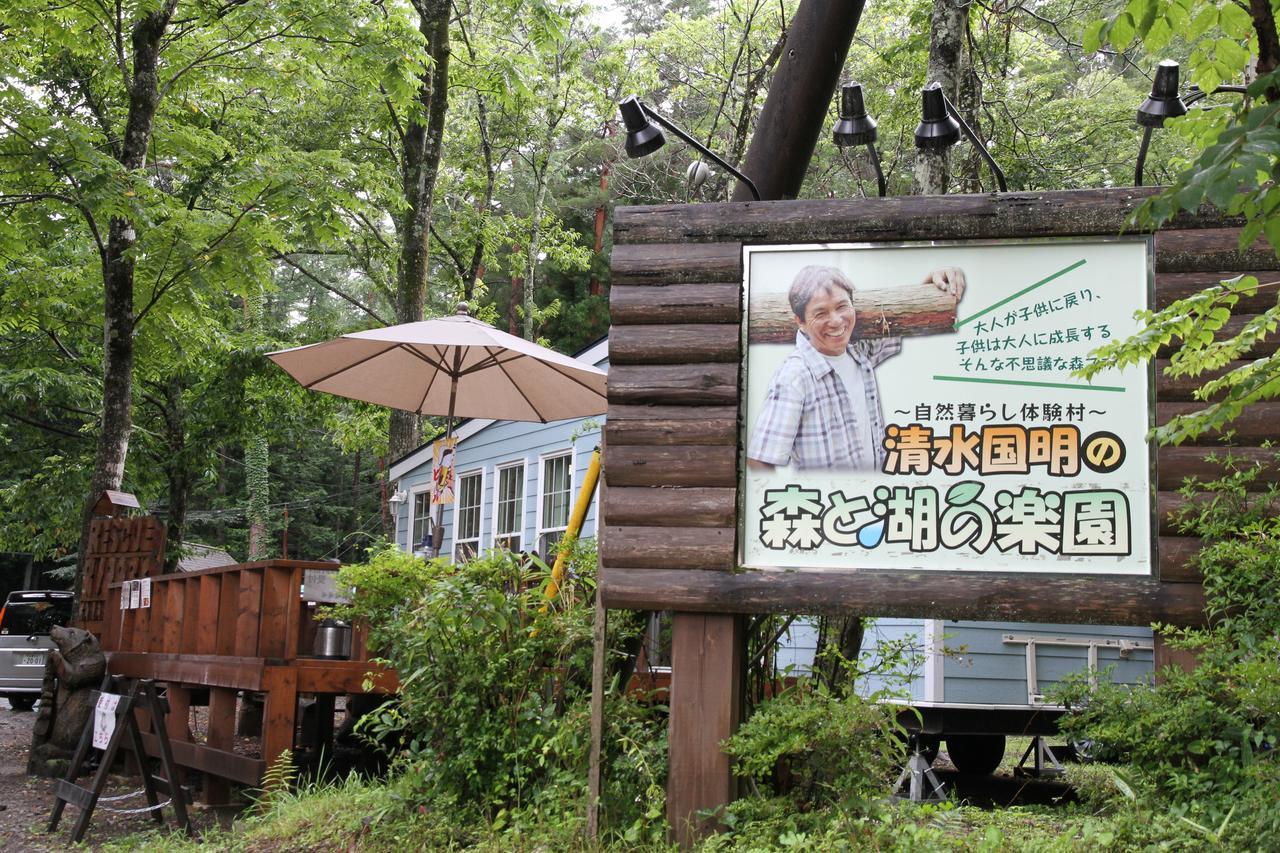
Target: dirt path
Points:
(25, 801)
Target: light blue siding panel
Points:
(881, 635)
(983, 669)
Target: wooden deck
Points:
(231, 630)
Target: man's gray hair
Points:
(810, 281)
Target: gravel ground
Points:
(26, 802)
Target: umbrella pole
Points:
(437, 529)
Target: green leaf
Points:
(1122, 30)
(1093, 36)
(1272, 229)
(1159, 34)
(1235, 21)
(1202, 22)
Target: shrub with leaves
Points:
(385, 583)
(1203, 742)
(840, 748)
(495, 684)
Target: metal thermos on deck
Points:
(333, 640)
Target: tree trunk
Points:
(796, 109)
(177, 471)
(257, 485)
(117, 277)
(535, 239)
(946, 44)
(420, 165)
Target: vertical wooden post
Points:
(281, 714)
(178, 721)
(706, 658)
(598, 628)
(222, 727)
(1165, 656)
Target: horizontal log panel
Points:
(701, 548)
(680, 385)
(675, 344)
(677, 507)
(1233, 327)
(1176, 553)
(912, 309)
(1257, 423)
(671, 466)
(1210, 249)
(1170, 503)
(675, 303)
(193, 670)
(997, 597)
(675, 263)
(1179, 285)
(662, 431)
(643, 412)
(1175, 464)
(1183, 388)
(206, 759)
(1056, 213)
(324, 676)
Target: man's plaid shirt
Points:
(806, 420)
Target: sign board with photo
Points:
(918, 407)
(982, 477)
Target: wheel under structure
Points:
(21, 702)
(976, 755)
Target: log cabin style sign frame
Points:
(689, 380)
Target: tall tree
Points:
(421, 142)
(947, 29)
(146, 121)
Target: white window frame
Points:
(572, 456)
(457, 515)
(425, 488)
(497, 499)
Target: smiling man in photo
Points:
(822, 409)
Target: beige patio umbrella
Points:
(455, 366)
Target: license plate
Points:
(31, 659)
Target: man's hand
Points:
(948, 280)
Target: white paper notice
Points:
(104, 719)
(145, 584)
(135, 595)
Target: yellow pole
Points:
(575, 523)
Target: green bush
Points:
(492, 719)
(1200, 745)
(838, 749)
(384, 584)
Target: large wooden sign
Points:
(971, 314)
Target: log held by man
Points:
(917, 309)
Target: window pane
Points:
(469, 508)
(421, 519)
(556, 485)
(510, 520)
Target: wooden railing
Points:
(235, 628)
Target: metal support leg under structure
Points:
(1040, 770)
(917, 773)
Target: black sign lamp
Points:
(1164, 103)
(941, 125)
(855, 127)
(644, 139)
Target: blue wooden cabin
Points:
(515, 483)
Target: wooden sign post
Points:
(680, 410)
